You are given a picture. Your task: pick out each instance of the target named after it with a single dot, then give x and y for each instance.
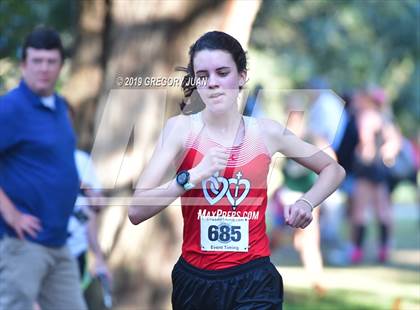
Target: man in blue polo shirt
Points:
(38, 184)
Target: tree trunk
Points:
(129, 40)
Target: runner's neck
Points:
(222, 124)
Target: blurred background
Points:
(358, 49)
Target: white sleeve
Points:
(86, 170)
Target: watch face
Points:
(182, 178)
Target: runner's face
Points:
(219, 79)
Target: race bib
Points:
(226, 234)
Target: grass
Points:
(365, 287)
(368, 286)
(300, 299)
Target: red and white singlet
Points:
(224, 217)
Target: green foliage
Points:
(352, 43)
(18, 18)
(367, 286)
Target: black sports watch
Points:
(183, 179)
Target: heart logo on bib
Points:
(220, 186)
(235, 200)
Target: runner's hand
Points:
(298, 215)
(215, 161)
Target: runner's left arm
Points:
(330, 173)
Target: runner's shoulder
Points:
(272, 133)
(177, 128)
(270, 128)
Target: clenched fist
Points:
(214, 161)
(298, 215)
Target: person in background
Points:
(345, 152)
(297, 180)
(379, 144)
(83, 223)
(346, 149)
(83, 228)
(326, 124)
(38, 184)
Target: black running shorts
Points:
(253, 285)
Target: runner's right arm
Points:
(150, 196)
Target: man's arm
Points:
(20, 222)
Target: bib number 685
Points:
(224, 233)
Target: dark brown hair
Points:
(213, 40)
(43, 38)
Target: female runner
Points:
(222, 160)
